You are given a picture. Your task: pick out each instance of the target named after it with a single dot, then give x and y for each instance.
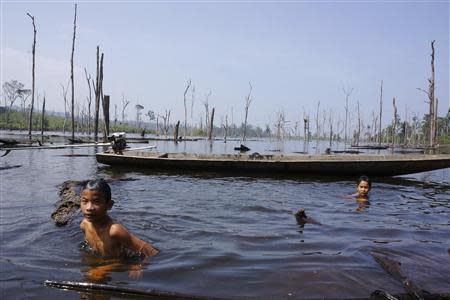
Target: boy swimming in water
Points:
(106, 237)
(363, 188)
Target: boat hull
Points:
(387, 165)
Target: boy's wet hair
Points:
(366, 179)
(101, 186)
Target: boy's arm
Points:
(119, 233)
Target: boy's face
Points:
(363, 188)
(93, 205)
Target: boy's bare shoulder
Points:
(118, 231)
(83, 225)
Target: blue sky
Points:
(293, 53)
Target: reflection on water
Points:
(234, 233)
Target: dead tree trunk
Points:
(347, 95)
(381, 113)
(30, 121)
(248, 101)
(175, 133)
(42, 121)
(225, 127)
(89, 100)
(71, 71)
(359, 127)
(105, 104)
(185, 108)
(317, 121)
(211, 125)
(124, 106)
(435, 118)
(431, 99)
(394, 125)
(97, 96)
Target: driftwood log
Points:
(69, 202)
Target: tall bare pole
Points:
(89, 100)
(185, 108)
(30, 122)
(381, 113)
(394, 125)
(42, 121)
(211, 125)
(431, 99)
(248, 101)
(71, 71)
(347, 93)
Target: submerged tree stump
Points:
(69, 202)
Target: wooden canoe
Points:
(385, 165)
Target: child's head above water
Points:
(364, 186)
(95, 200)
(101, 186)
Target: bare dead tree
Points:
(317, 121)
(30, 121)
(305, 127)
(432, 100)
(89, 100)
(139, 109)
(115, 114)
(381, 113)
(175, 133)
(358, 135)
(166, 120)
(206, 105)
(64, 93)
(394, 125)
(98, 92)
(188, 85)
(347, 93)
(43, 121)
(105, 104)
(192, 109)
(248, 101)
(211, 125)
(124, 106)
(71, 71)
(97, 95)
(225, 129)
(330, 122)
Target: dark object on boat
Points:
(242, 148)
(121, 290)
(393, 267)
(256, 155)
(164, 155)
(346, 151)
(118, 142)
(303, 219)
(76, 155)
(373, 147)
(384, 165)
(69, 202)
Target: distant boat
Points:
(385, 165)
